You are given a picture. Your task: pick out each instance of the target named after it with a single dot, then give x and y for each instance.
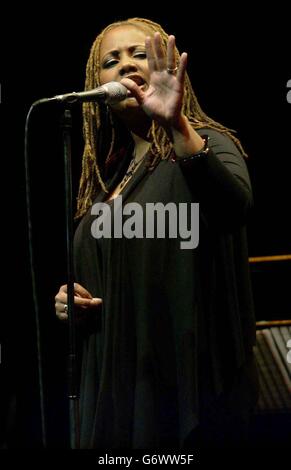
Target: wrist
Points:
(186, 141)
(199, 155)
(180, 124)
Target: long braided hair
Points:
(104, 135)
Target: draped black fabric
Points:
(176, 329)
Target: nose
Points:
(126, 67)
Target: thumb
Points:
(133, 88)
(95, 301)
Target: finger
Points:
(80, 290)
(171, 58)
(63, 288)
(84, 303)
(62, 300)
(150, 54)
(161, 59)
(61, 311)
(81, 304)
(62, 316)
(182, 68)
(94, 303)
(136, 92)
(60, 306)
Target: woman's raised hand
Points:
(163, 99)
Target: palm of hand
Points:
(162, 101)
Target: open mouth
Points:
(137, 79)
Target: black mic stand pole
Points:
(66, 124)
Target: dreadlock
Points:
(99, 146)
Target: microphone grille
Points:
(115, 92)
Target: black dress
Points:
(171, 347)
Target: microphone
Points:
(110, 93)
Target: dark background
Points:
(239, 64)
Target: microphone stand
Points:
(66, 125)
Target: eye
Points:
(109, 63)
(140, 55)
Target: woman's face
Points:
(122, 54)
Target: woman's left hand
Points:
(163, 99)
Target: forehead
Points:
(122, 37)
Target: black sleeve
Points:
(220, 180)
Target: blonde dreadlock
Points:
(94, 128)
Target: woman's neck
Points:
(137, 122)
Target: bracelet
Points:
(196, 156)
